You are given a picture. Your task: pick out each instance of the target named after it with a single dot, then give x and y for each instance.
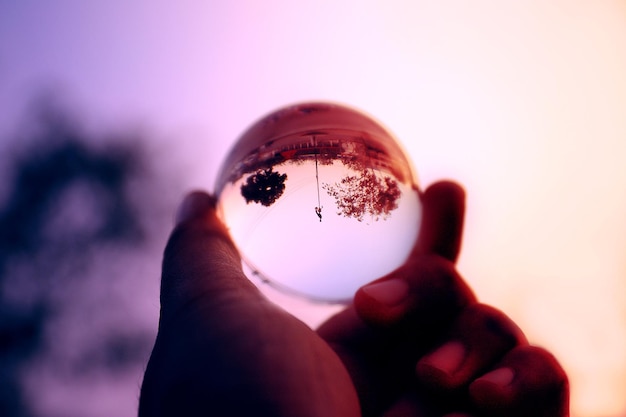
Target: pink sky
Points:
(522, 102)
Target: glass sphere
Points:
(320, 199)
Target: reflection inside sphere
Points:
(319, 199)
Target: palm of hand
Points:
(273, 362)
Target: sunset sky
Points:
(524, 103)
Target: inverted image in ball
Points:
(319, 199)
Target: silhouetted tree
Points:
(264, 187)
(67, 200)
(365, 194)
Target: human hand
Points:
(417, 343)
(414, 343)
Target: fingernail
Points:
(448, 358)
(193, 205)
(389, 293)
(500, 377)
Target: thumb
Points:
(201, 263)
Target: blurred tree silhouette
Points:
(265, 187)
(68, 200)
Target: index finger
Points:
(442, 221)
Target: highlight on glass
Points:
(319, 199)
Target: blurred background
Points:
(110, 112)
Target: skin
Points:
(413, 343)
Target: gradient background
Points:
(522, 102)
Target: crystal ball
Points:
(319, 199)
